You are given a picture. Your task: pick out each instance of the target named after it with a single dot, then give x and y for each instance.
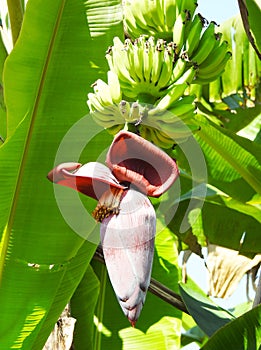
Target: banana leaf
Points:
(209, 316)
(3, 55)
(242, 333)
(46, 80)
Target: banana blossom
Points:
(136, 169)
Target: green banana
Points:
(103, 91)
(155, 13)
(169, 13)
(145, 132)
(114, 85)
(189, 5)
(130, 53)
(138, 14)
(178, 69)
(160, 139)
(158, 57)
(166, 71)
(94, 103)
(178, 131)
(174, 94)
(210, 73)
(187, 77)
(140, 43)
(216, 56)
(206, 44)
(182, 112)
(113, 130)
(148, 59)
(215, 91)
(193, 38)
(135, 56)
(117, 59)
(179, 31)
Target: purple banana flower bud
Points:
(137, 169)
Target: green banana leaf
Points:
(212, 222)
(3, 55)
(209, 316)
(46, 80)
(244, 333)
(225, 331)
(82, 306)
(233, 162)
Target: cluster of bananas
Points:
(149, 78)
(148, 69)
(206, 50)
(156, 17)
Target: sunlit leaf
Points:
(209, 316)
(243, 333)
(46, 79)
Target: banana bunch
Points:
(146, 68)
(172, 125)
(155, 17)
(104, 102)
(205, 50)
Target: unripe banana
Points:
(206, 44)
(143, 67)
(178, 132)
(189, 6)
(113, 130)
(94, 103)
(160, 139)
(103, 90)
(179, 68)
(169, 13)
(153, 17)
(208, 74)
(166, 71)
(193, 38)
(188, 76)
(215, 91)
(158, 57)
(216, 56)
(114, 86)
(173, 95)
(179, 31)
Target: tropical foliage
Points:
(48, 239)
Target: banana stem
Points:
(15, 11)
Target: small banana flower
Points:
(136, 169)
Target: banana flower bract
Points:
(136, 169)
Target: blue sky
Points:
(218, 11)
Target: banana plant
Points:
(45, 79)
(57, 63)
